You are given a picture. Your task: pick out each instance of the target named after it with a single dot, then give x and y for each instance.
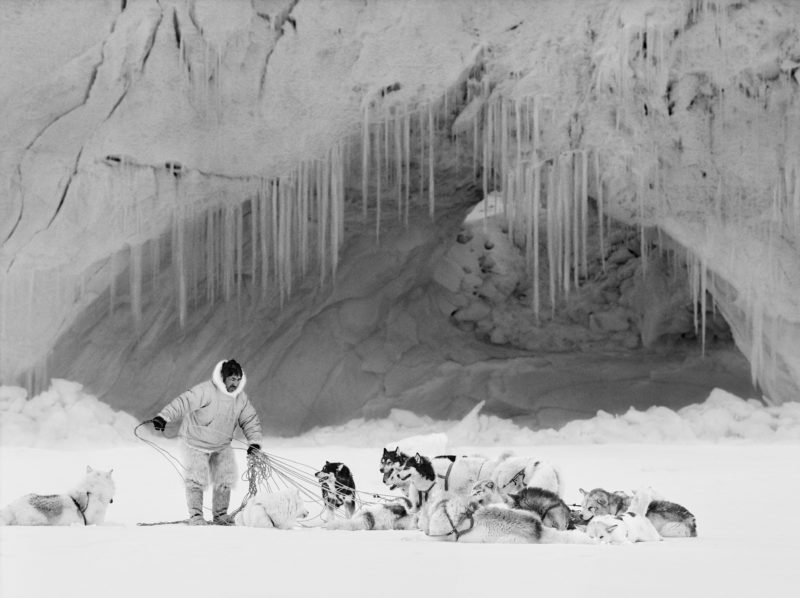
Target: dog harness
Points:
(446, 476)
(454, 526)
(513, 480)
(82, 511)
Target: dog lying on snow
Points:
(670, 519)
(338, 488)
(395, 515)
(550, 508)
(86, 504)
(631, 526)
(454, 518)
(280, 509)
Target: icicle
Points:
(576, 224)
(598, 183)
(536, 174)
(585, 211)
(377, 184)
(431, 196)
(335, 208)
(703, 290)
(135, 278)
(475, 145)
(407, 134)
(642, 240)
(239, 216)
(264, 236)
(253, 241)
(274, 235)
(552, 225)
(112, 285)
(398, 160)
(485, 156)
(179, 253)
(365, 163)
(421, 155)
(324, 207)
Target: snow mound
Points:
(63, 416)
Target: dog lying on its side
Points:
(670, 519)
(394, 515)
(338, 488)
(453, 518)
(86, 504)
(280, 509)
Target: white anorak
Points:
(210, 414)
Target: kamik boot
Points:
(194, 502)
(219, 505)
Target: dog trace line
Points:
(267, 472)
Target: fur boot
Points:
(219, 505)
(194, 502)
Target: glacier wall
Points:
(184, 177)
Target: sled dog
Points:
(280, 509)
(453, 518)
(391, 463)
(395, 515)
(86, 504)
(670, 519)
(338, 488)
(515, 473)
(553, 511)
(631, 526)
(485, 493)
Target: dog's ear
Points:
(89, 469)
(340, 467)
(417, 458)
(490, 485)
(602, 501)
(385, 452)
(611, 528)
(582, 491)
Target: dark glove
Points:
(253, 448)
(159, 423)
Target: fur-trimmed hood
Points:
(216, 379)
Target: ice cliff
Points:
(286, 182)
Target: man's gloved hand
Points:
(159, 423)
(253, 448)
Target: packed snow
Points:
(730, 461)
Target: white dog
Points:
(632, 526)
(86, 504)
(280, 509)
(394, 515)
(516, 473)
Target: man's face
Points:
(232, 382)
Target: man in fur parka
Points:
(211, 410)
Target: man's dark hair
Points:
(231, 368)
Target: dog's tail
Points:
(570, 536)
(361, 521)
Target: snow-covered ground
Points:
(732, 462)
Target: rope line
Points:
(271, 473)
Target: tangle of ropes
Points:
(267, 472)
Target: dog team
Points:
(465, 498)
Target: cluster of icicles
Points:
(266, 234)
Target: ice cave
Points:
(552, 206)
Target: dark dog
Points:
(391, 462)
(338, 488)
